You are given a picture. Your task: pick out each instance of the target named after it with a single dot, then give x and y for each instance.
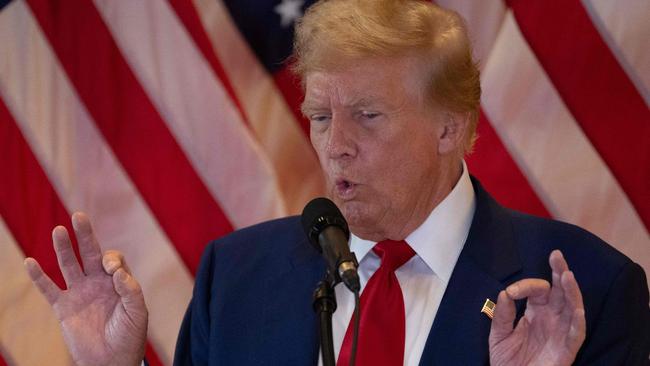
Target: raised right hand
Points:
(102, 312)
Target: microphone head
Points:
(318, 214)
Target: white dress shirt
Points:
(423, 279)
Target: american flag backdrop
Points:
(175, 122)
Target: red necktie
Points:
(382, 324)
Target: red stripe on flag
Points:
(182, 204)
(2, 361)
(28, 203)
(289, 85)
(187, 14)
(595, 88)
(494, 167)
(152, 357)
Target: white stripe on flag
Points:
(196, 108)
(275, 125)
(563, 167)
(25, 315)
(625, 27)
(85, 173)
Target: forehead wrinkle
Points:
(330, 92)
(343, 88)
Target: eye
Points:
(369, 115)
(320, 118)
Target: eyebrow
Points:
(370, 102)
(306, 108)
(364, 102)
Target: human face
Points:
(378, 145)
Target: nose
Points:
(341, 143)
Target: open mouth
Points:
(345, 188)
(345, 184)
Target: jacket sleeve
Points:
(192, 346)
(621, 333)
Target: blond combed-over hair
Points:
(336, 32)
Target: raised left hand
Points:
(553, 326)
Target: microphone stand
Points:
(324, 305)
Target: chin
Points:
(359, 216)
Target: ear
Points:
(453, 133)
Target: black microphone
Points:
(328, 232)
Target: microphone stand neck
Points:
(324, 305)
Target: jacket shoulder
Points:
(537, 235)
(264, 236)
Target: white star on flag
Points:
(289, 11)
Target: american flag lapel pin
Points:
(488, 308)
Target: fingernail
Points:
(111, 266)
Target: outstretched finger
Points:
(503, 320)
(577, 331)
(557, 262)
(558, 267)
(112, 260)
(535, 289)
(65, 256)
(573, 310)
(44, 284)
(91, 254)
(572, 294)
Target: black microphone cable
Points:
(357, 319)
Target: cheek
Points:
(390, 161)
(403, 169)
(317, 143)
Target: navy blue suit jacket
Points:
(252, 302)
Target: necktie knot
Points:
(393, 254)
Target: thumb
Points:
(504, 316)
(131, 295)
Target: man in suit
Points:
(392, 96)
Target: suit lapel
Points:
(460, 331)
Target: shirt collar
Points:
(440, 238)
